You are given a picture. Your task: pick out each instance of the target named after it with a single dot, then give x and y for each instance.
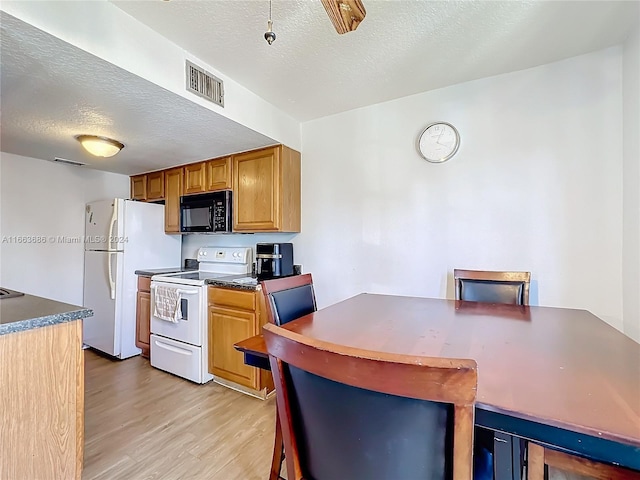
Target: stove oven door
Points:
(190, 329)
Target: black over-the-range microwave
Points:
(206, 212)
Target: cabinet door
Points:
(143, 320)
(256, 190)
(194, 178)
(155, 186)
(173, 191)
(218, 174)
(139, 187)
(227, 327)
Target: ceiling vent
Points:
(204, 84)
(69, 162)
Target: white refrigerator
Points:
(121, 236)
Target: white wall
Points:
(40, 198)
(536, 185)
(631, 187)
(153, 57)
(191, 243)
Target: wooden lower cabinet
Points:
(143, 315)
(42, 403)
(235, 315)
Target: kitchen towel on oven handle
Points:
(166, 303)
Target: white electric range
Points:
(181, 348)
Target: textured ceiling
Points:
(52, 91)
(401, 48)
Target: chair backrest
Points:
(492, 287)
(289, 298)
(362, 415)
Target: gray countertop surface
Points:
(150, 272)
(239, 282)
(28, 312)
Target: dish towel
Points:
(166, 304)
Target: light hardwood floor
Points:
(142, 423)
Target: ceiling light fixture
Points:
(269, 36)
(100, 146)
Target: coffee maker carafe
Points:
(274, 260)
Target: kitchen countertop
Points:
(239, 282)
(28, 312)
(150, 272)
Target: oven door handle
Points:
(180, 291)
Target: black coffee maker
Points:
(274, 260)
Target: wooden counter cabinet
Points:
(143, 315)
(42, 403)
(235, 315)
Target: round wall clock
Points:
(438, 142)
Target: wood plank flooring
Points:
(142, 423)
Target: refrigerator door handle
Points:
(112, 282)
(114, 219)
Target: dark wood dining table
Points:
(560, 377)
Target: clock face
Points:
(438, 142)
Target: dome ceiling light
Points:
(100, 146)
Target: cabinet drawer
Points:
(144, 284)
(232, 298)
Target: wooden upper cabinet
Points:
(194, 178)
(218, 174)
(155, 186)
(266, 190)
(173, 191)
(139, 187)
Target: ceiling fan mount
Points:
(345, 15)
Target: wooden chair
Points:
(286, 299)
(492, 287)
(356, 414)
(513, 288)
(289, 298)
(540, 458)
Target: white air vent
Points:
(202, 83)
(68, 162)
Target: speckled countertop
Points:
(27, 312)
(239, 282)
(150, 272)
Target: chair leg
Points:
(535, 462)
(278, 451)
